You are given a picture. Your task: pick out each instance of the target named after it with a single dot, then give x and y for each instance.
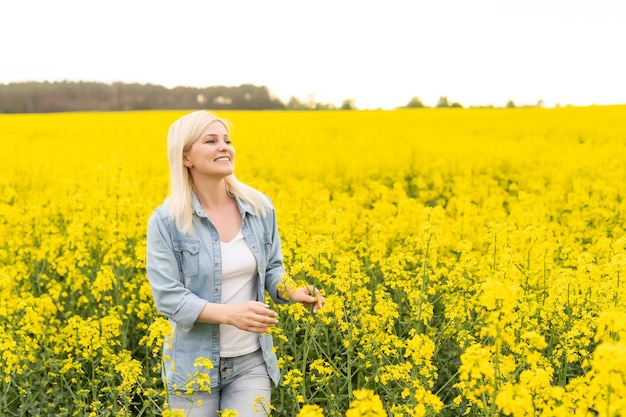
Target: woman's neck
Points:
(220, 207)
(212, 194)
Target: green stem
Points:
(495, 250)
(616, 297)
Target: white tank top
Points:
(239, 285)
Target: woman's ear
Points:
(186, 161)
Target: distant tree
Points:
(510, 104)
(443, 102)
(324, 106)
(415, 103)
(310, 102)
(348, 104)
(295, 104)
(456, 105)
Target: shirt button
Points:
(216, 263)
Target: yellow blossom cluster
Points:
(472, 261)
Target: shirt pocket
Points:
(188, 254)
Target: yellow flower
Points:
(203, 363)
(366, 404)
(262, 404)
(310, 410)
(130, 370)
(173, 413)
(293, 379)
(228, 413)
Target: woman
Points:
(213, 250)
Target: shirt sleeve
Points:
(171, 297)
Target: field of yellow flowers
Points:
(472, 260)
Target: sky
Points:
(380, 54)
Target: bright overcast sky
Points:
(379, 53)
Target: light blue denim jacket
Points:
(185, 273)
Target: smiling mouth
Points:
(222, 159)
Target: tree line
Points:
(443, 102)
(49, 97)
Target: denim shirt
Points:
(185, 273)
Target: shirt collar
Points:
(244, 206)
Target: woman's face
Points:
(212, 155)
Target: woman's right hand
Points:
(251, 316)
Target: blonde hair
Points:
(181, 135)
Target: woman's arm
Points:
(252, 316)
(171, 297)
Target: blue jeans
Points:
(244, 386)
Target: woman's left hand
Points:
(309, 296)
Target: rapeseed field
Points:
(471, 258)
